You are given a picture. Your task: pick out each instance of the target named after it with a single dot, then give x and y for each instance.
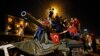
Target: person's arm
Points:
(63, 32)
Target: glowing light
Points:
(55, 11)
(58, 9)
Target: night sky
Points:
(86, 11)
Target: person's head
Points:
(87, 35)
(21, 21)
(10, 18)
(69, 26)
(75, 19)
(72, 18)
(52, 9)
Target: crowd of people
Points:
(66, 28)
(56, 24)
(17, 26)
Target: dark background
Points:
(86, 11)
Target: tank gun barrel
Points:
(32, 19)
